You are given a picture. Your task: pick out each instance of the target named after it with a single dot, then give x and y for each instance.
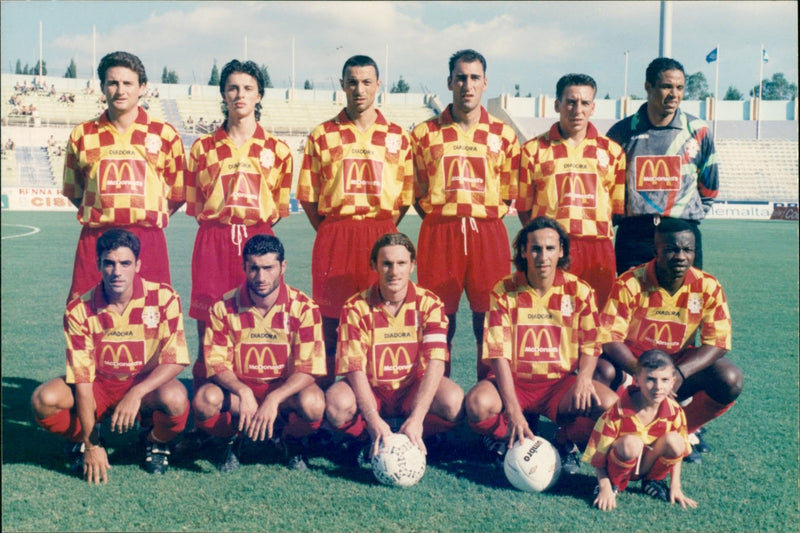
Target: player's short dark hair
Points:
(673, 225)
(392, 239)
(659, 65)
(653, 360)
(568, 80)
(360, 61)
(521, 242)
(466, 56)
(117, 238)
(121, 59)
(261, 245)
(248, 67)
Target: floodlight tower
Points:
(665, 42)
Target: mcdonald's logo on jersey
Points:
(122, 176)
(121, 358)
(577, 189)
(263, 361)
(666, 336)
(395, 361)
(362, 176)
(464, 173)
(242, 189)
(658, 173)
(539, 343)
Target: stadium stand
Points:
(758, 170)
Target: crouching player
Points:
(263, 349)
(125, 348)
(643, 436)
(392, 350)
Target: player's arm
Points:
(397, 218)
(676, 494)
(518, 426)
(621, 356)
(376, 426)
(585, 396)
(606, 498)
(248, 405)
(263, 422)
(95, 458)
(127, 409)
(697, 360)
(524, 217)
(310, 209)
(421, 404)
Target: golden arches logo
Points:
(463, 168)
(654, 167)
(579, 189)
(394, 358)
(658, 330)
(119, 357)
(360, 170)
(539, 343)
(265, 354)
(658, 173)
(122, 177)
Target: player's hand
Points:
(676, 496)
(518, 429)
(247, 408)
(125, 414)
(606, 498)
(412, 429)
(263, 423)
(96, 465)
(585, 396)
(378, 430)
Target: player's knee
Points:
(674, 445)
(173, 397)
(340, 404)
(604, 372)
(478, 405)
(208, 401)
(734, 380)
(45, 400)
(312, 403)
(629, 447)
(728, 382)
(451, 404)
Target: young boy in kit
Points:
(643, 436)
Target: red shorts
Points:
(542, 398)
(458, 253)
(340, 261)
(108, 392)
(593, 261)
(396, 402)
(152, 253)
(218, 250)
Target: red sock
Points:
(297, 427)
(620, 471)
(433, 424)
(219, 425)
(356, 427)
(495, 426)
(166, 428)
(579, 430)
(63, 423)
(662, 467)
(702, 409)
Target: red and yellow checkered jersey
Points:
(543, 337)
(239, 185)
(465, 174)
(351, 173)
(392, 350)
(102, 342)
(286, 340)
(621, 420)
(124, 178)
(579, 186)
(644, 316)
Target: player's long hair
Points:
(248, 67)
(521, 242)
(121, 59)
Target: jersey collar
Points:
(447, 116)
(555, 133)
(373, 297)
(246, 302)
(692, 275)
(99, 301)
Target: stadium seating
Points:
(764, 170)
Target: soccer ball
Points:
(399, 462)
(533, 466)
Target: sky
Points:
(530, 44)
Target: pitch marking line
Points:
(34, 230)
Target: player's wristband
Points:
(679, 372)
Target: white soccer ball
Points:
(533, 466)
(399, 462)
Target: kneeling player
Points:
(643, 436)
(392, 351)
(263, 349)
(541, 342)
(125, 348)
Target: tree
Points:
(214, 79)
(72, 70)
(308, 86)
(169, 76)
(18, 69)
(400, 87)
(516, 90)
(733, 93)
(267, 79)
(778, 88)
(696, 87)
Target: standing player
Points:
(355, 185)
(123, 169)
(643, 436)
(577, 177)
(392, 351)
(662, 305)
(466, 165)
(238, 182)
(125, 349)
(672, 166)
(263, 349)
(541, 342)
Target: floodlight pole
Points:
(665, 43)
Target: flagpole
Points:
(760, 84)
(716, 93)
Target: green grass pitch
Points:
(749, 482)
